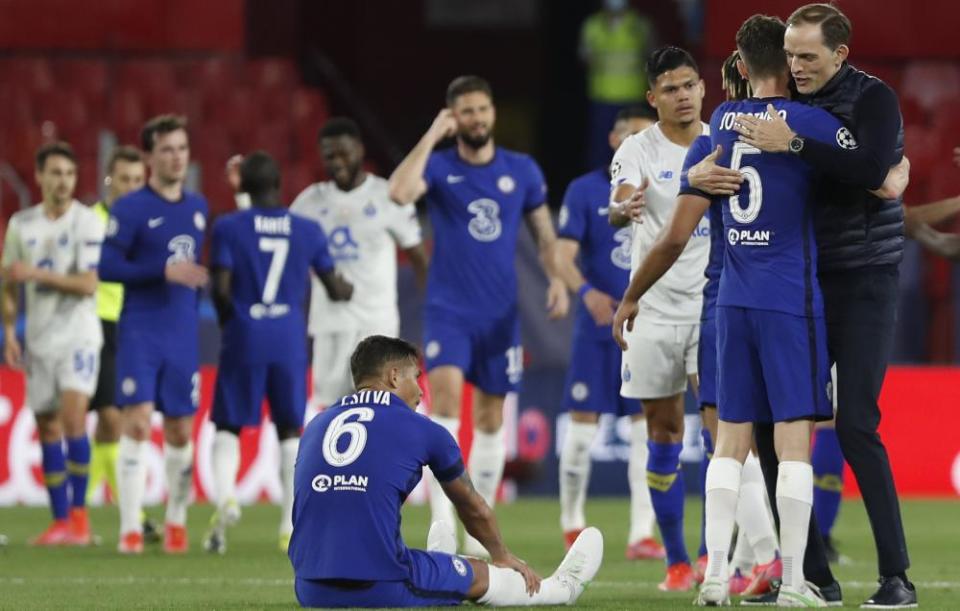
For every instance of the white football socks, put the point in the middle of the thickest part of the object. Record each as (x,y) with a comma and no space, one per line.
(753,517)
(226,464)
(507,588)
(794,501)
(575,474)
(288,459)
(642,517)
(487,457)
(722,486)
(441,509)
(743,558)
(179,468)
(131,482)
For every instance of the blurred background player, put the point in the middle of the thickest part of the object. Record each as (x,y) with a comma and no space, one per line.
(359,461)
(52,249)
(614,43)
(663,344)
(476,194)
(364,229)
(125,173)
(154,239)
(593,379)
(261,260)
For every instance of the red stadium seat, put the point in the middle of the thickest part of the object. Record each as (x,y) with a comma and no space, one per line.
(922,146)
(212,74)
(237,110)
(275,138)
(175,101)
(68,112)
(931,83)
(30,73)
(913,113)
(127,109)
(889,73)
(88,76)
(88,179)
(297,177)
(944,180)
(310,106)
(271,74)
(211,146)
(146,75)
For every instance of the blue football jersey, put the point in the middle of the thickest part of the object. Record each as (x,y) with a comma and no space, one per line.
(358,461)
(770,260)
(476,213)
(269,253)
(604,249)
(145,233)
(698,150)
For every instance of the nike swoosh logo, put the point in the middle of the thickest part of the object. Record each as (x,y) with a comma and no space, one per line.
(451,179)
(152,223)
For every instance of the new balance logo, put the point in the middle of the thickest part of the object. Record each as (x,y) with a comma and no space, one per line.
(451,179)
(154,223)
(665,175)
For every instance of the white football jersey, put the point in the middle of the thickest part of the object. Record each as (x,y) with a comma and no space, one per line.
(677,297)
(57,321)
(364,227)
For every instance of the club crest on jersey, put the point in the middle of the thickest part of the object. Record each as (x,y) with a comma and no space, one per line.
(846,140)
(506,184)
(433,349)
(459,566)
(183,248)
(579,391)
(63,240)
(199,221)
(370,210)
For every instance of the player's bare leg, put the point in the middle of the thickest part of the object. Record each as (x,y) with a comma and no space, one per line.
(289,444)
(664,478)
(132,474)
(446,390)
(74,416)
(575,472)
(487,454)
(178,461)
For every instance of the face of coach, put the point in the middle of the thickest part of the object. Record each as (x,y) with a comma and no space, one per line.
(815,52)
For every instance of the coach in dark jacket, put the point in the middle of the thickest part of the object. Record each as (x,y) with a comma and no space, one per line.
(860,238)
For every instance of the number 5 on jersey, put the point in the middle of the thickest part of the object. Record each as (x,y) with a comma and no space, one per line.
(747,215)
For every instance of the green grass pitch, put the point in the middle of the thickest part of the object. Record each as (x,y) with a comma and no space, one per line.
(253,574)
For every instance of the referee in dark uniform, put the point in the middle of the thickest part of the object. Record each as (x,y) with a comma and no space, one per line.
(860,239)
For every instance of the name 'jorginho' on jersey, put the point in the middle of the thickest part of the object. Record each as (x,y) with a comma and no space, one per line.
(476,213)
(770,260)
(269,253)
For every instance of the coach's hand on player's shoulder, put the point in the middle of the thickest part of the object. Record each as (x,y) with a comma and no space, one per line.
(714,179)
(558,301)
(444,126)
(771,135)
(509,561)
(187,273)
(626,313)
(12,353)
(601,306)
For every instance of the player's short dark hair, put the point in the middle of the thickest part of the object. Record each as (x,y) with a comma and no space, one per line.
(54,149)
(158,126)
(339,126)
(760,42)
(259,174)
(737,87)
(665,59)
(463,85)
(375,351)
(642,110)
(130,154)
(834,25)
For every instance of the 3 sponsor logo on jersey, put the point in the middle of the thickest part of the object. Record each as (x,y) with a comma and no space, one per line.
(620,256)
(182,248)
(749,237)
(506,184)
(485,226)
(340,483)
